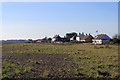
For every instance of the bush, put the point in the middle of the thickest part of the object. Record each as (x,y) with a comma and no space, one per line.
(115,40)
(112,41)
(107,42)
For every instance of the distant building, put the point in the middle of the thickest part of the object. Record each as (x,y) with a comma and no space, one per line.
(65,39)
(79,37)
(56,38)
(101,39)
(45,39)
(71,36)
(42,40)
(84,38)
(39,40)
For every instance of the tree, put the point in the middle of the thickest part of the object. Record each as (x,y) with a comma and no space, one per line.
(49,40)
(115,36)
(116,39)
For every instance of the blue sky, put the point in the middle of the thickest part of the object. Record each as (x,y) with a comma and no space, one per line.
(24,20)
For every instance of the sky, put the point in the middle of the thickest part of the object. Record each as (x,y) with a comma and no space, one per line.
(36,20)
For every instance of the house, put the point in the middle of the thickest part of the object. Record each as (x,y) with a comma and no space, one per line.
(39,40)
(71,36)
(79,37)
(101,39)
(64,39)
(45,39)
(84,38)
(42,40)
(56,38)
(88,38)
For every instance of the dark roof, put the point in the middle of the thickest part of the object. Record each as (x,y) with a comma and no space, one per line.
(72,33)
(44,38)
(56,36)
(83,37)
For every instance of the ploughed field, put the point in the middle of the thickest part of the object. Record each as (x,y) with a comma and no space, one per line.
(47,60)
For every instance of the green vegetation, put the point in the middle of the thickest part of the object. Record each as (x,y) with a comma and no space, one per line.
(113,41)
(10,69)
(45,73)
(90,60)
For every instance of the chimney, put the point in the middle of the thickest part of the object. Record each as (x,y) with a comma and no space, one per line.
(82,33)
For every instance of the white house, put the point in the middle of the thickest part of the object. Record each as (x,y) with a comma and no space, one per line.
(78,37)
(101,39)
(84,38)
(95,41)
(56,38)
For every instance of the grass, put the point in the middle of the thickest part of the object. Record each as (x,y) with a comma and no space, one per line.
(45,73)
(10,69)
(92,60)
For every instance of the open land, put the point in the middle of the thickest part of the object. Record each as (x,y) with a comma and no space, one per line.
(65,60)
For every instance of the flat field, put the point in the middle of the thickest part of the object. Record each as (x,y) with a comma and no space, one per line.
(47,60)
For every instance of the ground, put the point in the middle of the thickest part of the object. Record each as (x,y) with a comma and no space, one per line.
(68,60)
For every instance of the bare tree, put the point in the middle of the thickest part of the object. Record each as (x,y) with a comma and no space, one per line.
(115,36)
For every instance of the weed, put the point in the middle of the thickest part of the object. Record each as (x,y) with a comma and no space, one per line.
(45,73)
(17,71)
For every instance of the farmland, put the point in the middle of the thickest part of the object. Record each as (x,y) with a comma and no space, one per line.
(68,60)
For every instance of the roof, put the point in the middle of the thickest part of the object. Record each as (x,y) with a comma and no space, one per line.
(44,38)
(100,36)
(56,36)
(73,37)
(83,37)
(78,35)
(72,33)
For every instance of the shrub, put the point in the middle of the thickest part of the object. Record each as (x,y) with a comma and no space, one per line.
(112,41)
(107,42)
(115,40)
